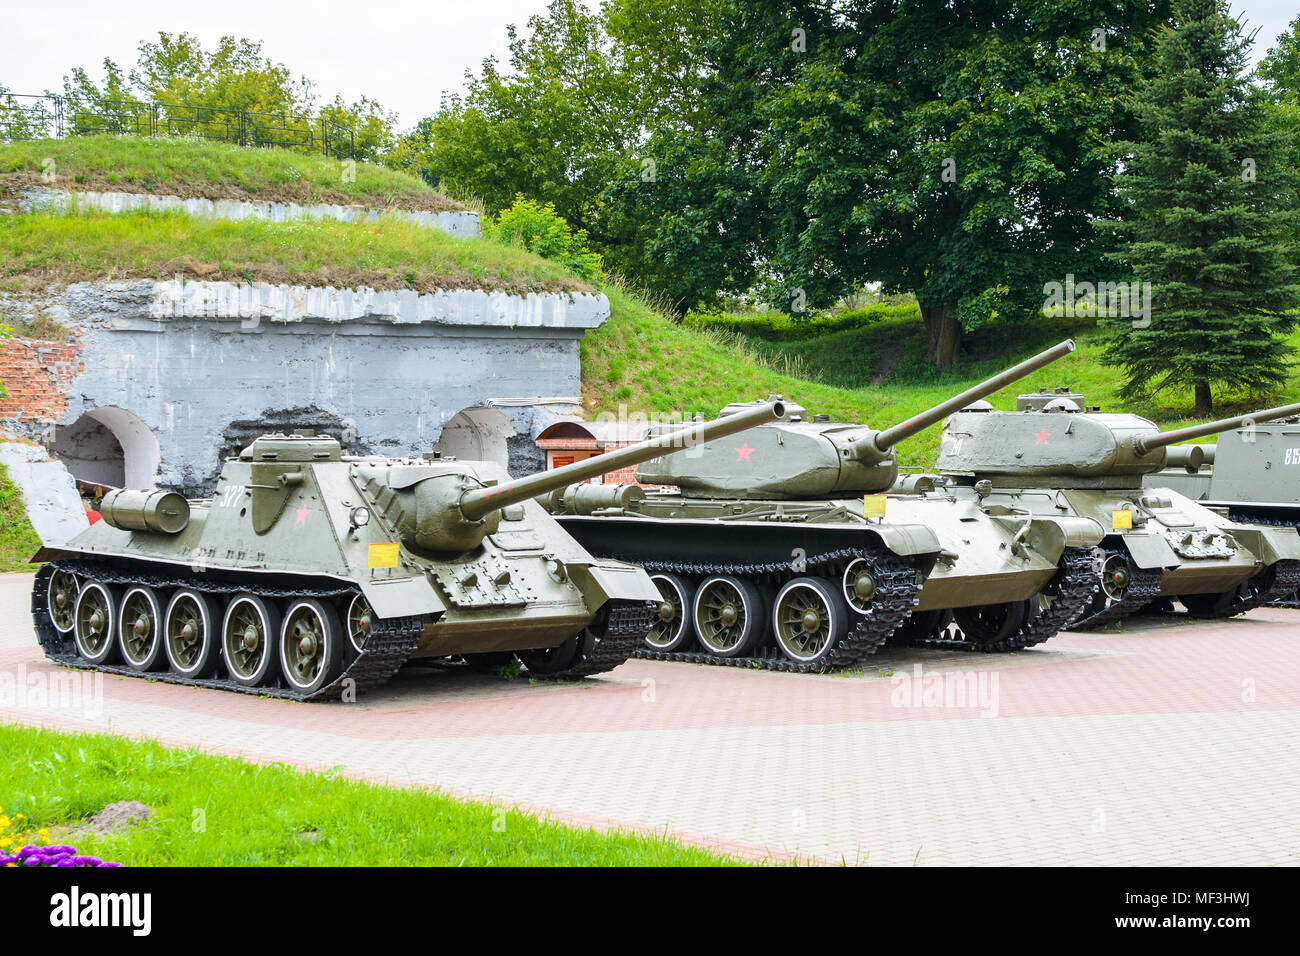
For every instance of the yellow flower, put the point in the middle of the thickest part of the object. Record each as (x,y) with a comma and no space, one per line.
(4,823)
(44,831)
(6,841)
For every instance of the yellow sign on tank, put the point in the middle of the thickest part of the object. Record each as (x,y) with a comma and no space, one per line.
(382,555)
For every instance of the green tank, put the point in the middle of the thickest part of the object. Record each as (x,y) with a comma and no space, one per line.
(1253,473)
(311,574)
(802,548)
(1054,458)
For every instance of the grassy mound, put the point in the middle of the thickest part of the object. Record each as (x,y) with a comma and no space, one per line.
(217,811)
(644,362)
(193,169)
(18,540)
(44,249)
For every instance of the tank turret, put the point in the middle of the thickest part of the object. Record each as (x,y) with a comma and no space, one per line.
(1063,447)
(800,459)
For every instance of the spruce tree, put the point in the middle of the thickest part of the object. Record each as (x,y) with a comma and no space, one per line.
(1209,194)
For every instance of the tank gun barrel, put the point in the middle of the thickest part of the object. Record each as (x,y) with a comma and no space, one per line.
(1144,445)
(475,504)
(891,436)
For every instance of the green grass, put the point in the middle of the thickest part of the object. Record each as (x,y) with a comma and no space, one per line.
(40,250)
(218,811)
(196,168)
(871,374)
(18,541)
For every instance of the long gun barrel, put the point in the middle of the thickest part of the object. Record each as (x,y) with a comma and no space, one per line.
(886,439)
(476,504)
(1144,445)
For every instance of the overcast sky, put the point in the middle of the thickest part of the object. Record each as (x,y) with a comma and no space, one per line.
(401,52)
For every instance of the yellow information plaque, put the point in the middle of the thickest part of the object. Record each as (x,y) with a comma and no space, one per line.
(382,555)
(1121,520)
(873,506)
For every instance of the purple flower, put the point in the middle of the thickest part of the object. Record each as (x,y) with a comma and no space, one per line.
(65,861)
(28,850)
(86,861)
(33,860)
(107,863)
(60,848)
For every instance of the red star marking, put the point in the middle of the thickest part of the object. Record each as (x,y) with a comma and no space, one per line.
(302,513)
(1041,437)
(743,452)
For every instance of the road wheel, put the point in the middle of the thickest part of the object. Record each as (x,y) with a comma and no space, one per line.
(730,616)
(858,585)
(809,617)
(140,630)
(61,600)
(673,629)
(311,645)
(190,634)
(95,615)
(988,624)
(360,620)
(552,660)
(248,640)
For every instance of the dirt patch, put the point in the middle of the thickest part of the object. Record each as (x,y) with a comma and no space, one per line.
(303,193)
(113,819)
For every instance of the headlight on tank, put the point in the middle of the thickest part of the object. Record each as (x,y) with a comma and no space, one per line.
(359,517)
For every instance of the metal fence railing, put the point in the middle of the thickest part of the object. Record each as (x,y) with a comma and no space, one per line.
(57,117)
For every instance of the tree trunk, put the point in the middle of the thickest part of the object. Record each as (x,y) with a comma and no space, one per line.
(944,332)
(1204,402)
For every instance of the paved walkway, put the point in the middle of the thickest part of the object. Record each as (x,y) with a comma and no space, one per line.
(1172,743)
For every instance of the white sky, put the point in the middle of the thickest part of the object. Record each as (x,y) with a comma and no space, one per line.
(403,53)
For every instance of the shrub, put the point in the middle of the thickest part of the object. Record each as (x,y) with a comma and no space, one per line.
(539,229)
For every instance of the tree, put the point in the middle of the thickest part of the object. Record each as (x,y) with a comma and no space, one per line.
(1210,194)
(202,85)
(956,151)
(1280,69)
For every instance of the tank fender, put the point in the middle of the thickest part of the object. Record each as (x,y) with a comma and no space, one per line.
(1150,551)
(402,597)
(613,581)
(1270,544)
(907,540)
(1050,536)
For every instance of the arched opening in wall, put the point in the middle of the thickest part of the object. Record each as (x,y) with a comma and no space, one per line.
(477,434)
(109,446)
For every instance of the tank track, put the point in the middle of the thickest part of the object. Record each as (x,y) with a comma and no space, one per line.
(1143,588)
(627,625)
(897,584)
(1285,582)
(1289,599)
(390,644)
(1074,586)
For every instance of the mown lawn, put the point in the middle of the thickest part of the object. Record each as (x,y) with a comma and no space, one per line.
(217,811)
(193,168)
(44,249)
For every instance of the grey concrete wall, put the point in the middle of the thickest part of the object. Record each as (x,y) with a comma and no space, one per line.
(49,493)
(185,360)
(463,223)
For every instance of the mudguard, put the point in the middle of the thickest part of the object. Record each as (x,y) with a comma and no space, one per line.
(1150,551)
(1051,536)
(401,597)
(1270,544)
(907,540)
(613,581)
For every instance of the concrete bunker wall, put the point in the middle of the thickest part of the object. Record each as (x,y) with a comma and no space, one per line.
(180,374)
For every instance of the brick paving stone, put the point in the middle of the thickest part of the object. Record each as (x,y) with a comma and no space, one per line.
(1170,742)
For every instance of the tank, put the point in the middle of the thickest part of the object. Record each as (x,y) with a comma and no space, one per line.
(1253,473)
(1055,459)
(313,575)
(802,548)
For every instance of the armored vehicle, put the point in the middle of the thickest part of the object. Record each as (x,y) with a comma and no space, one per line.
(1060,460)
(789,551)
(310,574)
(1255,478)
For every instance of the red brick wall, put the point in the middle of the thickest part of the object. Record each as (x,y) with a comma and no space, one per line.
(38,377)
